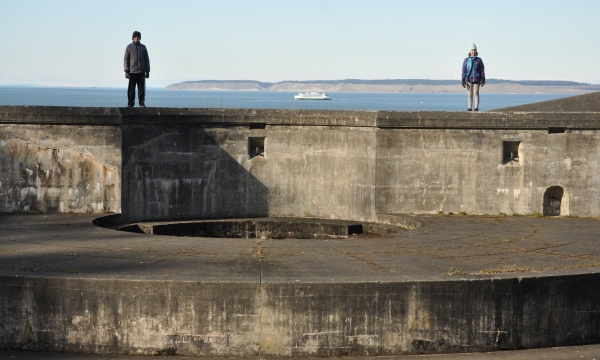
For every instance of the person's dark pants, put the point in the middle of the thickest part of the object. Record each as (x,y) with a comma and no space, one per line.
(138,80)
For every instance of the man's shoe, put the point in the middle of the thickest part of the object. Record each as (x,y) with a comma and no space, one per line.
(142,105)
(469,109)
(129,105)
(476,109)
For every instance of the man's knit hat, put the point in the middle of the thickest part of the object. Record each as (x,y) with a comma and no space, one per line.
(136,34)
(473,47)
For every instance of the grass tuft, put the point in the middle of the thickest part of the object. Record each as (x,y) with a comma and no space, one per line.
(452,271)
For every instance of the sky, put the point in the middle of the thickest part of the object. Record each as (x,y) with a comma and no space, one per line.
(82,43)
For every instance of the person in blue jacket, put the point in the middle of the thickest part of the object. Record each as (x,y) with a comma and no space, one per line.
(473,76)
(137,69)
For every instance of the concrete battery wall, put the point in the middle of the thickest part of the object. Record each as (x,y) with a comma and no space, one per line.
(454,170)
(353,165)
(356,165)
(308,168)
(189,171)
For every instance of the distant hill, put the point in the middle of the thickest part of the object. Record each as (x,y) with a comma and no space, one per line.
(390,85)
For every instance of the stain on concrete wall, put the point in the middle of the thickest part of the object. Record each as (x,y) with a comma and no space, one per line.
(321,172)
(327,164)
(308,172)
(299,320)
(48,174)
(430,170)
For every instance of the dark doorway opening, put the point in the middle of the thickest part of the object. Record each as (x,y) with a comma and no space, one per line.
(552,200)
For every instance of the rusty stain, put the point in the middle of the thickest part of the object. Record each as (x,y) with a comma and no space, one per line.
(62,180)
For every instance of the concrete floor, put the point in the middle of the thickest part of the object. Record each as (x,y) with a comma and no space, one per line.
(445,247)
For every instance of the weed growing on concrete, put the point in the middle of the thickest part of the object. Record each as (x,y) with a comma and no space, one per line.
(501,214)
(505,270)
(517,214)
(452,271)
(513,268)
(440,212)
(462,213)
(450,213)
(537,214)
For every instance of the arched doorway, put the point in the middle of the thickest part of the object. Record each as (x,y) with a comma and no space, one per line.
(552,200)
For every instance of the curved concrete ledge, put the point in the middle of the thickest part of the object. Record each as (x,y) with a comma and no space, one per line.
(262,228)
(297,319)
(455,284)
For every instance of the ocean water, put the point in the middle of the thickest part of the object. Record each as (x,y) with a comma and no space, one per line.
(158,97)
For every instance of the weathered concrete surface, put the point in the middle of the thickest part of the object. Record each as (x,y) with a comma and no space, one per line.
(241,319)
(61,115)
(315,164)
(321,172)
(420,162)
(181,171)
(348,165)
(59,168)
(518,282)
(260,228)
(427,170)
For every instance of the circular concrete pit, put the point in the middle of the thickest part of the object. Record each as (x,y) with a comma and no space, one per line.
(455,284)
(261,228)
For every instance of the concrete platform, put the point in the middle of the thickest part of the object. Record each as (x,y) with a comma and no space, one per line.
(456,284)
(475,247)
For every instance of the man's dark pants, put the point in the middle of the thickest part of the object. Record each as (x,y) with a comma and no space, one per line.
(140,81)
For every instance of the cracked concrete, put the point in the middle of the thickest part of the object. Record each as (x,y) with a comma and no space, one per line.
(69,245)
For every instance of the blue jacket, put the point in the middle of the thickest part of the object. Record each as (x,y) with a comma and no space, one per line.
(477,72)
(136,59)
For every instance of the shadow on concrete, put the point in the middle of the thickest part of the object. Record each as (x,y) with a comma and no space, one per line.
(178,171)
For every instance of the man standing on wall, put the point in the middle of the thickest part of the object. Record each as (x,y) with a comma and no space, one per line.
(137,69)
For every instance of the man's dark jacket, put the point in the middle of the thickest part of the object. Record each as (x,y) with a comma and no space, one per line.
(136,59)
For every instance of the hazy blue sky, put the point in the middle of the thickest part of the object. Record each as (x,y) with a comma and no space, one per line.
(81,43)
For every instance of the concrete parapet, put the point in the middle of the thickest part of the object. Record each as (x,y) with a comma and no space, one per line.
(288,319)
(164,163)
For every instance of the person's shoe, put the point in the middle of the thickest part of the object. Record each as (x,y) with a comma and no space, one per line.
(476,109)
(142,105)
(129,105)
(469,109)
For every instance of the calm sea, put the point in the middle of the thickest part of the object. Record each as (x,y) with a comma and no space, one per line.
(158,97)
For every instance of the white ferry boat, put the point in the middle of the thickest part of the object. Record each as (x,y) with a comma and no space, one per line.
(313,95)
